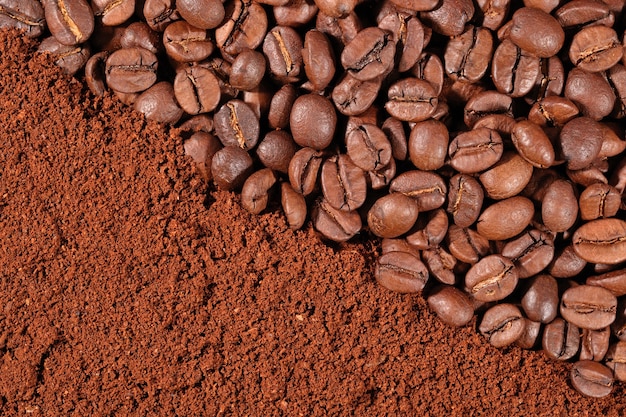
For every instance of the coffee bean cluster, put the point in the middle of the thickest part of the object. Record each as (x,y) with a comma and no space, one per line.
(482,141)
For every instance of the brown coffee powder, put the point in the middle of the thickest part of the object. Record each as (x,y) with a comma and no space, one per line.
(123,291)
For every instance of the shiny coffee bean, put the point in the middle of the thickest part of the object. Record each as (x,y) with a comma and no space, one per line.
(295,13)
(591,93)
(467,56)
(601,241)
(159,13)
(70,21)
(449,17)
(303,170)
(197,90)
(95,73)
(561,340)
(493,278)
(513,69)
(580,142)
(280,107)
(432,229)
(353,97)
(484,104)
(139,34)
(599,200)
(203,14)
(531,252)
(502,325)
(247,70)
(294,206)
(411,100)
(595,49)
(408,34)
(201,147)
(333,224)
(533,144)
(441,264)
(186,43)
(131,70)
(392,215)
(541,299)
(506,218)
(230,167)
(318,59)
(368,147)
(552,111)
(401,272)
(465,199)
(614,281)
(451,305)
(531,336)
(25,15)
(536,32)
(466,244)
(550,80)
(592,379)
(343,184)
(428,144)
(507,177)
(395,131)
(255,191)
(566,263)
(113,12)
(236,124)
(69,58)
(313,121)
(476,150)
(594,344)
(276,150)
(430,68)
(559,206)
(588,307)
(369,55)
(426,188)
(243,27)
(159,103)
(581,13)
(283,49)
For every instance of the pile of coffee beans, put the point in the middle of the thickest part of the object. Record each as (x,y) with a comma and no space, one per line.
(481,140)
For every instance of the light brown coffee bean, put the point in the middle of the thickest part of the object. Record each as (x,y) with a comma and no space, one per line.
(506,218)
(465,199)
(392,215)
(601,241)
(559,206)
(333,224)
(466,244)
(592,379)
(493,278)
(401,272)
(588,307)
(594,344)
(507,177)
(598,201)
(502,324)
(451,305)
(255,191)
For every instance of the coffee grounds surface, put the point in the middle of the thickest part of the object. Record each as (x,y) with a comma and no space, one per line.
(126,290)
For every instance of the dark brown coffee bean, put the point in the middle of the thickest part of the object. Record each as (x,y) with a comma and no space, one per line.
(95,73)
(559,206)
(230,167)
(552,111)
(595,49)
(451,305)
(531,252)
(586,176)
(550,80)
(343,184)
(616,360)
(531,336)
(614,281)
(197,90)
(201,147)
(411,99)
(475,151)
(537,32)
(341,30)
(502,325)
(401,272)
(566,264)
(353,97)
(203,14)
(294,206)
(398,245)
(369,55)
(467,56)
(612,142)
(392,215)
(441,264)
(244,27)
(25,15)
(599,200)
(160,13)
(514,70)
(430,68)
(506,218)
(426,188)
(493,278)
(113,12)
(313,121)
(507,177)
(580,141)
(594,344)
(336,225)
(368,147)
(236,124)
(382,177)
(533,144)
(466,244)
(303,170)
(588,307)
(255,191)
(158,103)
(70,58)
(295,13)
(280,107)
(186,43)
(140,34)
(131,70)
(449,17)
(259,99)
(408,34)
(432,229)
(283,49)
(486,103)
(319,60)
(580,13)
(561,340)
(70,21)
(247,70)
(276,150)
(395,132)
(465,199)
(592,379)
(591,93)
(428,144)
(541,299)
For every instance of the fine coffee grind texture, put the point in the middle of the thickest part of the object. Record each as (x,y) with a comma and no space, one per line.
(124,292)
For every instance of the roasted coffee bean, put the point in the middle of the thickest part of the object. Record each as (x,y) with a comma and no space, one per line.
(353,97)
(369,55)
(280,107)
(295,13)
(614,281)
(392,215)
(201,147)
(411,99)
(599,200)
(113,12)
(493,12)
(186,43)
(550,80)
(588,307)
(131,70)
(139,34)
(595,49)
(566,264)
(244,27)
(294,206)
(342,30)
(507,177)
(616,76)
(431,232)
(70,58)
(502,325)
(159,13)
(441,264)
(398,245)
(449,17)
(336,225)
(541,299)
(236,124)
(426,188)
(259,100)
(197,90)
(382,177)
(159,103)
(601,241)
(430,68)
(493,278)
(255,191)
(428,144)
(561,340)
(531,336)
(559,206)
(592,379)
(552,111)
(580,142)
(401,272)
(95,73)
(408,34)
(230,167)
(303,170)
(451,305)
(514,70)
(313,121)
(486,103)
(203,14)
(276,150)
(247,70)
(70,21)
(417,5)
(533,144)
(612,143)
(343,184)
(579,13)
(465,199)
(531,252)
(537,32)
(467,56)
(336,8)
(594,344)
(506,218)
(26,15)
(476,150)
(368,147)
(619,325)
(394,130)
(591,93)
(616,360)
(283,48)
(586,176)
(466,244)
(318,59)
